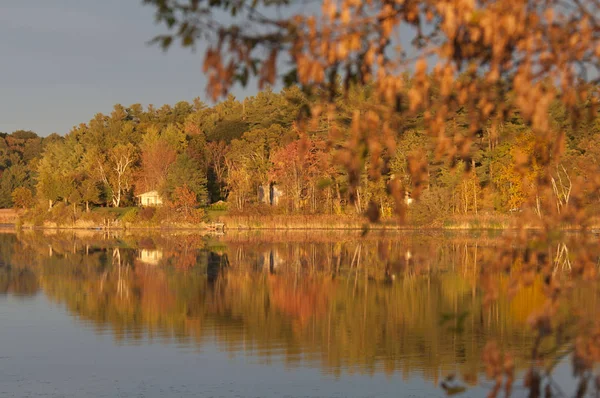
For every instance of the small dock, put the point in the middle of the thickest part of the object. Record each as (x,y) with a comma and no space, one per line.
(216,227)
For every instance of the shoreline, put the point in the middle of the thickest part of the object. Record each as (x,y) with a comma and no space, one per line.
(274,223)
(265,228)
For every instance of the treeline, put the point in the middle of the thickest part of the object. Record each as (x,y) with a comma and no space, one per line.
(261,157)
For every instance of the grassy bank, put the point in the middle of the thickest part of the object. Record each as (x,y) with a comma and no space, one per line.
(142,219)
(487,221)
(87,225)
(297,222)
(483,221)
(330,222)
(8,216)
(107,218)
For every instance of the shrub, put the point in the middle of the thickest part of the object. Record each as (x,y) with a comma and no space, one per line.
(161,214)
(130,216)
(101,215)
(37,215)
(22,198)
(197,216)
(184,207)
(171,213)
(257,209)
(218,206)
(91,217)
(61,213)
(146,213)
(432,206)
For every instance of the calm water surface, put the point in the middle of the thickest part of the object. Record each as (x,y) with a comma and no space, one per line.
(254,315)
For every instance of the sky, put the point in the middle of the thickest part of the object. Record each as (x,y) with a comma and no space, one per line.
(63,61)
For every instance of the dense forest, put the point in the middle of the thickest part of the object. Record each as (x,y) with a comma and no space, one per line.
(241,152)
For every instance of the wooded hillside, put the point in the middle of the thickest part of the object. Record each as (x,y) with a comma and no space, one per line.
(237,150)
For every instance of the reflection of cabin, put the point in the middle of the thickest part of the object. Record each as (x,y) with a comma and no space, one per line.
(269,194)
(150,198)
(150,256)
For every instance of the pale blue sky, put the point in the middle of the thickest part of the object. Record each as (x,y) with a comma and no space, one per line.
(62,61)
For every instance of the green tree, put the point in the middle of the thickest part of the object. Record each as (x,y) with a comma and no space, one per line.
(58,169)
(185,171)
(89,193)
(22,198)
(174,136)
(14,177)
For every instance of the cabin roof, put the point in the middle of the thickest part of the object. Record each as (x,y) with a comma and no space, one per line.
(149,193)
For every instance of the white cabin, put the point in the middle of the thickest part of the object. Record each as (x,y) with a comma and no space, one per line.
(150,198)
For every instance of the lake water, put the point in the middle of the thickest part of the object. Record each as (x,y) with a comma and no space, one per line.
(305,314)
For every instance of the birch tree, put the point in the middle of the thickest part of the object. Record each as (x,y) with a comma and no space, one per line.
(116,171)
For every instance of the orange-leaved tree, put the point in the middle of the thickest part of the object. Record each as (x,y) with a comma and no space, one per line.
(185,205)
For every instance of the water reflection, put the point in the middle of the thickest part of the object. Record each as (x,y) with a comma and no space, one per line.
(407,304)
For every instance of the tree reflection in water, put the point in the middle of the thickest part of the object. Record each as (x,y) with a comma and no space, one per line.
(399,303)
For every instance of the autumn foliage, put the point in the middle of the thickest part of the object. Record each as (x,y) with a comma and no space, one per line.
(185,205)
